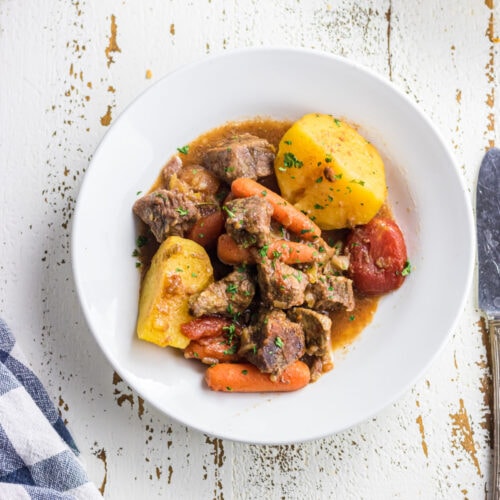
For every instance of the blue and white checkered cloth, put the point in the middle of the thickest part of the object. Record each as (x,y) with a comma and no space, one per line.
(37,454)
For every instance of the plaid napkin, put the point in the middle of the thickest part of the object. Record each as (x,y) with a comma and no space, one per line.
(37,453)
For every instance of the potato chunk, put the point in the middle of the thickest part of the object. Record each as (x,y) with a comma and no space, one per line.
(179,268)
(326,169)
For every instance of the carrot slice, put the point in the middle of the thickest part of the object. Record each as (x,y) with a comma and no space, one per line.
(283,212)
(231,253)
(213,350)
(245,377)
(207,326)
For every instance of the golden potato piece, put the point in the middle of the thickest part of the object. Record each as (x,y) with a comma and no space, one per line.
(179,268)
(329,171)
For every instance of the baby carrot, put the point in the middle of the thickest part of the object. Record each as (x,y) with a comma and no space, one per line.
(283,212)
(207,326)
(213,350)
(291,252)
(245,377)
(231,253)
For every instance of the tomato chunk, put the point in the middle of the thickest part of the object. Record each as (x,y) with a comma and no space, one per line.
(378,256)
(207,229)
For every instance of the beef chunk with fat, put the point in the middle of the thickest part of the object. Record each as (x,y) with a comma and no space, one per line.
(166,213)
(317,366)
(330,292)
(171,167)
(230,295)
(244,155)
(317,328)
(273,343)
(317,333)
(249,220)
(281,285)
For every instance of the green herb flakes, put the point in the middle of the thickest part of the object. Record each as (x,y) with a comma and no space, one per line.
(407,269)
(182,211)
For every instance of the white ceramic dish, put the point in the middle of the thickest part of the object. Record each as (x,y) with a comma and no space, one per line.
(425,192)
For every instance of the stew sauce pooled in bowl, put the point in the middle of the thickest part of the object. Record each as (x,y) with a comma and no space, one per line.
(263,246)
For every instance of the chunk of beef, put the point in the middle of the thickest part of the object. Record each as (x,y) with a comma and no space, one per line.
(166,213)
(317,366)
(171,167)
(241,156)
(273,343)
(228,296)
(317,328)
(281,285)
(249,220)
(330,292)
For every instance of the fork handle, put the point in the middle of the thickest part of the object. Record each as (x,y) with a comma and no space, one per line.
(494,335)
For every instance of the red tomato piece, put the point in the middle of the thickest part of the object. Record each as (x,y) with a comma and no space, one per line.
(377,256)
(207,229)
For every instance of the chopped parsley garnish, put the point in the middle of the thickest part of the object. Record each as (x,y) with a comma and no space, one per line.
(358,181)
(231,350)
(229,388)
(290,161)
(264,193)
(135,253)
(305,231)
(179,270)
(351,317)
(319,179)
(231,288)
(278,342)
(184,150)
(182,211)
(194,275)
(317,206)
(337,122)
(407,269)
(230,329)
(141,241)
(328,158)
(245,372)
(263,251)
(228,211)
(138,264)
(288,142)
(138,193)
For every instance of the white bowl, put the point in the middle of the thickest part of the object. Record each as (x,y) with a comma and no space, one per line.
(425,192)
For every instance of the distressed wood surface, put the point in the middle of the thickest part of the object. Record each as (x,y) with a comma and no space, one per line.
(68,68)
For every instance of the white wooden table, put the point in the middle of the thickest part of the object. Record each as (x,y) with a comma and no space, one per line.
(67,70)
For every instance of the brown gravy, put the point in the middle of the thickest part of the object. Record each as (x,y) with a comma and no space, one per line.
(346,325)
